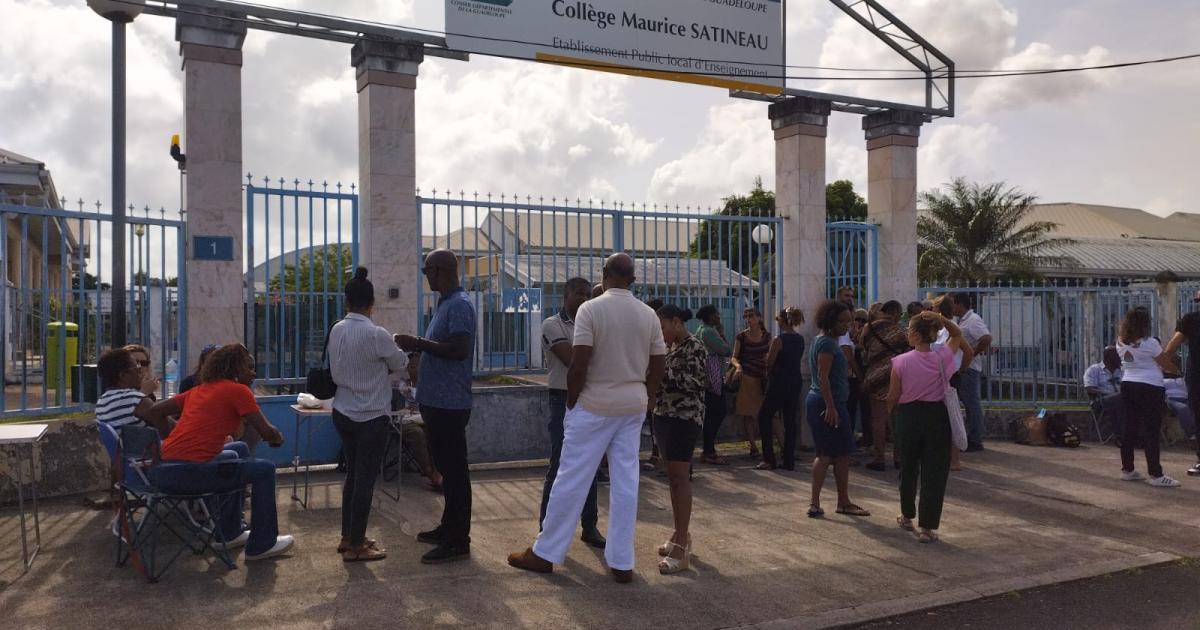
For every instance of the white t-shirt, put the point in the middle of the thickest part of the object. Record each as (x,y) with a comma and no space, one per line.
(623,334)
(973,329)
(943,338)
(1138,364)
(845,342)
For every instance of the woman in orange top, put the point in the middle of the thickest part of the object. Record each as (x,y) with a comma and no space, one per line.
(196,458)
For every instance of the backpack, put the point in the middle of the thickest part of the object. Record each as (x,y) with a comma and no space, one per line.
(1060,430)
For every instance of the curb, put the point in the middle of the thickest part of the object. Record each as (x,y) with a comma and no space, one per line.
(854,615)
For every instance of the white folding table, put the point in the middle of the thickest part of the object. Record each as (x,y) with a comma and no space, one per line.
(13,437)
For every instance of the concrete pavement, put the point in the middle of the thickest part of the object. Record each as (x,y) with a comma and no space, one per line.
(1018,517)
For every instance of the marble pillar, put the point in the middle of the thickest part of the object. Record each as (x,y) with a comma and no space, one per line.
(800,130)
(892,198)
(389,228)
(211,47)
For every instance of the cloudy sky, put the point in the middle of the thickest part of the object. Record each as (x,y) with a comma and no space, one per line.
(1125,137)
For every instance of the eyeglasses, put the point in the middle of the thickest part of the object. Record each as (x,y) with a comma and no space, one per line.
(144,364)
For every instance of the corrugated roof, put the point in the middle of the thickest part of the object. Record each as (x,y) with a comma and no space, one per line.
(464,242)
(1130,257)
(1078,220)
(685,272)
(575,231)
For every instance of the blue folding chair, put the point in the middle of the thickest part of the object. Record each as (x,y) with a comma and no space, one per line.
(146,513)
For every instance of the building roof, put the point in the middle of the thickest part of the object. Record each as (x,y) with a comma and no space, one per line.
(1130,257)
(681,272)
(26,181)
(1078,220)
(584,231)
(465,242)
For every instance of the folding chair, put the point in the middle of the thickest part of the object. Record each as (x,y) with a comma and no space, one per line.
(1097,411)
(396,456)
(145,513)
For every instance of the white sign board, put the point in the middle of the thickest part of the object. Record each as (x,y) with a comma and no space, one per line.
(735,44)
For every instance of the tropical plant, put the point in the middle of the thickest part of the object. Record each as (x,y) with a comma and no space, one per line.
(976,233)
(733,241)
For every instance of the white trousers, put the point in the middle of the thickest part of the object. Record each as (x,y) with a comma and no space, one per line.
(586,438)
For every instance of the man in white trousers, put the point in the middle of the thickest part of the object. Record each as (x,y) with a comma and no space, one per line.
(617,363)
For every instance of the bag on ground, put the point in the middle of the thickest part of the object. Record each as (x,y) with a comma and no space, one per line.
(1060,431)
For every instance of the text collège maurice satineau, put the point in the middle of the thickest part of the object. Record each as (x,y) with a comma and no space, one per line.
(586,12)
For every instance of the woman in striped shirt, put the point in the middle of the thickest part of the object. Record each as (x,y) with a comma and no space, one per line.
(127,397)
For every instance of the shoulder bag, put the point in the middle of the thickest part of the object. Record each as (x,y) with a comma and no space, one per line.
(319,382)
(958,430)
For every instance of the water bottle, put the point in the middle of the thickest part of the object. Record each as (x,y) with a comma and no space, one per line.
(172,370)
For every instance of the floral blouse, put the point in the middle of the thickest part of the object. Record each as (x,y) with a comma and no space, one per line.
(682,392)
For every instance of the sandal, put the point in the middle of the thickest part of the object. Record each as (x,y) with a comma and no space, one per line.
(344,546)
(765,466)
(815,512)
(852,510)
(363,554)
(665,548)
(927,536)
(670,564)
(716,460)
(904,523)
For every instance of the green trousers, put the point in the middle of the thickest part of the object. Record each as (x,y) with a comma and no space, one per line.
(923,437)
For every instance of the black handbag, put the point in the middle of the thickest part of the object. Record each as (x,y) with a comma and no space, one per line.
(319,382)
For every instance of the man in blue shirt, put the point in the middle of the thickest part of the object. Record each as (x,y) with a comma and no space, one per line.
(448,350)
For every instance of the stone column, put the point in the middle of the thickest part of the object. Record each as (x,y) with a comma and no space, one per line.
(389,228)
(211,47)
(800,131)
(892,198)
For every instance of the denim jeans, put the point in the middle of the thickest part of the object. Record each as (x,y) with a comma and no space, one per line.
(558,410)
(228,471)
(968,393)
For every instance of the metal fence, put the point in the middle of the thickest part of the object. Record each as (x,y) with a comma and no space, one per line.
(56,302)
(301,249)
(516,255)
(1044,336)
(852,258)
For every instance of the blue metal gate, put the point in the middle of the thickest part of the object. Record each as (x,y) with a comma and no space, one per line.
(852,259)
(56,303)
(517,254)
(301,248)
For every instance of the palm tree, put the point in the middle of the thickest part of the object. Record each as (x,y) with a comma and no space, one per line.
(978,232)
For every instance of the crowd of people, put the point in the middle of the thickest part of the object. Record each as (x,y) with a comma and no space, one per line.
(888,374)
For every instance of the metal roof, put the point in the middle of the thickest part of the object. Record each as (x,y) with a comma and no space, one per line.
(682,272)
(1129,257)
(1079,220)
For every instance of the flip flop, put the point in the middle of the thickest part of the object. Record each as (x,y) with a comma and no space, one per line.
(365,554)
(904,523)
(853,510)
(815,512)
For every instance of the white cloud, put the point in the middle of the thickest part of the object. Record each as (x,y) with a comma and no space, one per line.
(506,126)
(950,150)
(1017,92)
(735,146)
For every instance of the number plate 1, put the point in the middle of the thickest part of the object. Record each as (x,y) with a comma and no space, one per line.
(212,248)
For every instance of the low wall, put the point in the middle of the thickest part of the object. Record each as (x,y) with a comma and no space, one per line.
(507,424)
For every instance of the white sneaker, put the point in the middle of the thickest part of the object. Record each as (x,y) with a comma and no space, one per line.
(1194,471)
(282,545)
(1131,475)
(1163,482)
(240,541)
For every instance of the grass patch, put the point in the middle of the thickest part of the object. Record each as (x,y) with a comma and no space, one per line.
(49,417)
(501,379)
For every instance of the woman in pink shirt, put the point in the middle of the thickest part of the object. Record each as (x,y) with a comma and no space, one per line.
(918,393)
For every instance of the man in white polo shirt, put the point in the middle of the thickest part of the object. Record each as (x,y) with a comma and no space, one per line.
(617,364)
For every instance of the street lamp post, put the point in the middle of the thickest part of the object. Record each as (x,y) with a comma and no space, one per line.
(762,235)
(120,13)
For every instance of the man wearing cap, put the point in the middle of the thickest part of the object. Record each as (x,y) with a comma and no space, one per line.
(1187,329)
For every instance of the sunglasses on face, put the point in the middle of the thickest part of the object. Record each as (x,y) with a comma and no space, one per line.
(144,364)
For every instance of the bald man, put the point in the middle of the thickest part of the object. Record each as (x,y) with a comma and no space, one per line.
(444,397)
(617,364)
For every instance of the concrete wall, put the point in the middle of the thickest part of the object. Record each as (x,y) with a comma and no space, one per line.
(508,424)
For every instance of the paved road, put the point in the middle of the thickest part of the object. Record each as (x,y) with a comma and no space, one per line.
(1163,596)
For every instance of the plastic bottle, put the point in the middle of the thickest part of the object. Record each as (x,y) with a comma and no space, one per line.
(172,370)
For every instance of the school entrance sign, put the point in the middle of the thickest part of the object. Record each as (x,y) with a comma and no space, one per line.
(734,44)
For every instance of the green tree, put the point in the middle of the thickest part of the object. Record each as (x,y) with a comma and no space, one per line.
(318,269)
(841,202)
(732,241)
(979,232)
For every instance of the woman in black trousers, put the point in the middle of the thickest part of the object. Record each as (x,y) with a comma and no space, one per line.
(715,406)
(1143,396)
(362,358)
(784,360)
